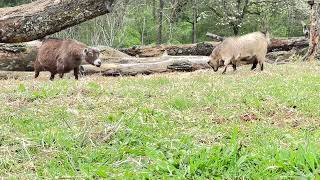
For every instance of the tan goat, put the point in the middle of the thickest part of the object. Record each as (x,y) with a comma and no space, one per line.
(248,49)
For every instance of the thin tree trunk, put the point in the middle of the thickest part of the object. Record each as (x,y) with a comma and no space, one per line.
(235,29)
(154,10)
(195,21)
(143,30)
(44,17)
(161,3)
(314,32)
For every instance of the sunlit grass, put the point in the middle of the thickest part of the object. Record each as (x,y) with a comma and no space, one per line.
(181,125)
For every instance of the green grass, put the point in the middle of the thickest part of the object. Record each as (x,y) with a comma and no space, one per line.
(257,125)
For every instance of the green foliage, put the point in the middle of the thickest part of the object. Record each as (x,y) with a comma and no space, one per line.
(5,3)
(132,37)
(136,22)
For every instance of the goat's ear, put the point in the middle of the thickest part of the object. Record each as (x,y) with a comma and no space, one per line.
(221,63)
(85,51)
(237,57)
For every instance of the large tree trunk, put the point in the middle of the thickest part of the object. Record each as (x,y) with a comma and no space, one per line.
(205,49)
(314,31)
(44,17)
(151,66)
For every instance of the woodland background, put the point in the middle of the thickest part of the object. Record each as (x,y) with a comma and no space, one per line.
(150,22)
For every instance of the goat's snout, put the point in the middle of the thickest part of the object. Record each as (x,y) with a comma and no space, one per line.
(97,62)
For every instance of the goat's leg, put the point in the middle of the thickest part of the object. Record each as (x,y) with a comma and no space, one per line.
(76,73)
(234,67)
(226,63)
(261,66)
(261,61)
(37,69)
(225,69)
(254,66)
(52,77)
(36,74)
(60,68)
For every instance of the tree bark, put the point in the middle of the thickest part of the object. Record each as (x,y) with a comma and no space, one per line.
(287,44)
(154,10)
(200,49)
(18,57)
(44,17)
(314,31)
(161,6)
(177,10)
(194,21)
(154,65)
(235,28)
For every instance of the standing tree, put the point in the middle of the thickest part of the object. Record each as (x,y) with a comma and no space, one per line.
(313,51)
(195,20)
(161,7)
(232,13)
(177,10)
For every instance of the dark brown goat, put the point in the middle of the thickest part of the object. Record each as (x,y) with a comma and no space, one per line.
(62,56)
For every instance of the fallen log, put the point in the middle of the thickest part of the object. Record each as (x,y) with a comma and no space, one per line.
(280,44)
(215,37)
(288,44)
(138,66)
(281,56)
(151,66)
(200,49)
(20,57)
(158,65)
(5,75)
(205,49)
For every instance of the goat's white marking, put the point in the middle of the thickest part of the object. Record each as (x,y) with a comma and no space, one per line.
(97,62)
(96,49)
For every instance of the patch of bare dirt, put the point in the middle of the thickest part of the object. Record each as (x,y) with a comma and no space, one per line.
(249,117)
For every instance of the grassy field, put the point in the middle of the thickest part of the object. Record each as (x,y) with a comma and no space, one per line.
(181,125)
